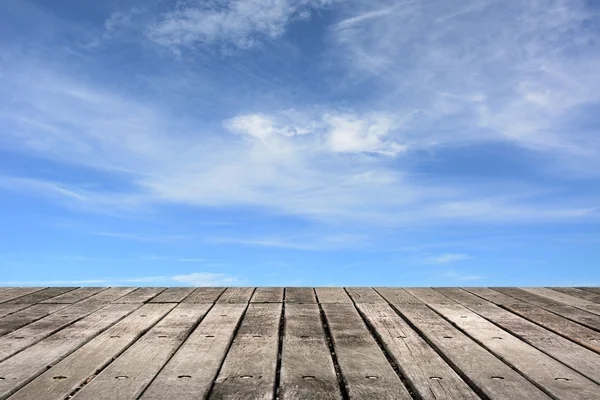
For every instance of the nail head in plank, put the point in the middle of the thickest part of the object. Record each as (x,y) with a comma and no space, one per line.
(81,365)
(573,313)
(140,295)
(74,296)
(123,378)
(474,362)
(27,316)
(569,353)
(427,372)
(332,295)
(249,369)
(554,377)
(190,372)
(236,295)
(29,363)
(307,369)
(173,295)
(267,295)
(34,332)
(301,295)
(364,367)
(364,295)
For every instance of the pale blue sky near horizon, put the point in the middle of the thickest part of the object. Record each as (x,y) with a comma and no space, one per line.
(300,142)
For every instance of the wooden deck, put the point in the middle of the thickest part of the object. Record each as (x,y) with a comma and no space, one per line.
(299,343)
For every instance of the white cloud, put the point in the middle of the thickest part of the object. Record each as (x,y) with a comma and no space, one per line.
(240,23)
(194,279)
(446,258)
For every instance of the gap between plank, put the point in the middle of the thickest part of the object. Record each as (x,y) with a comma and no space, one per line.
(329,338)
(277,389)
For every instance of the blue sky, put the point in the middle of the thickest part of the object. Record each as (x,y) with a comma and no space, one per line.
(299,142)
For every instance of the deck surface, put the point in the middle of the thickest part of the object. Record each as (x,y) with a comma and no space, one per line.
(299,343)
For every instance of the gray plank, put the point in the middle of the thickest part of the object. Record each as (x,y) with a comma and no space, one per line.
(573,313)
(140,295)
(132,371)
(15,292)
(8,309)
(364,295)
(429,296)
(332,295)
(491,376)
(82,364)
(24,366)
(307,369)
(189,374)
(267,295)
(173,295)
(364,367)
(73,296)
(573,301)
(249,369)
(569,353)
(301,295)
(19,319)
(554,377)
(565,327)
(236,295)
(426,371)
(28,335)
(582,294)
(41,295)
(397,295)
(590,289)
(204,295)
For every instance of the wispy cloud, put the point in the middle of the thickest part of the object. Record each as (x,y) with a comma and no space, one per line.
(454,275)
(446,258)
(193,279)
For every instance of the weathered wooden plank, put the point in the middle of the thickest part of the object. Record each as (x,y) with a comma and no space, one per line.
(28,335)
(565,327)
(332,295)
(204,295)
(8,309)
(364,295)
(427,372)
(189,374)
(301,295)
(132,371)
(554,377)
(365,370)
(573,313)
(429,296)
(397,295)
(140,295)
(249,369)
(582,294)
(473,362)
(583,304)
(70,373)
(73,296)
(307,369)
(41,295)
(236,295)
(24,366)
(267,295)
(14,293)
(590,289)
(461,296)
(27,316)
(569,353)
(173,295)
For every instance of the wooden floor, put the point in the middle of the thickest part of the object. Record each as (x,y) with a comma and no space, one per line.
(299,343)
